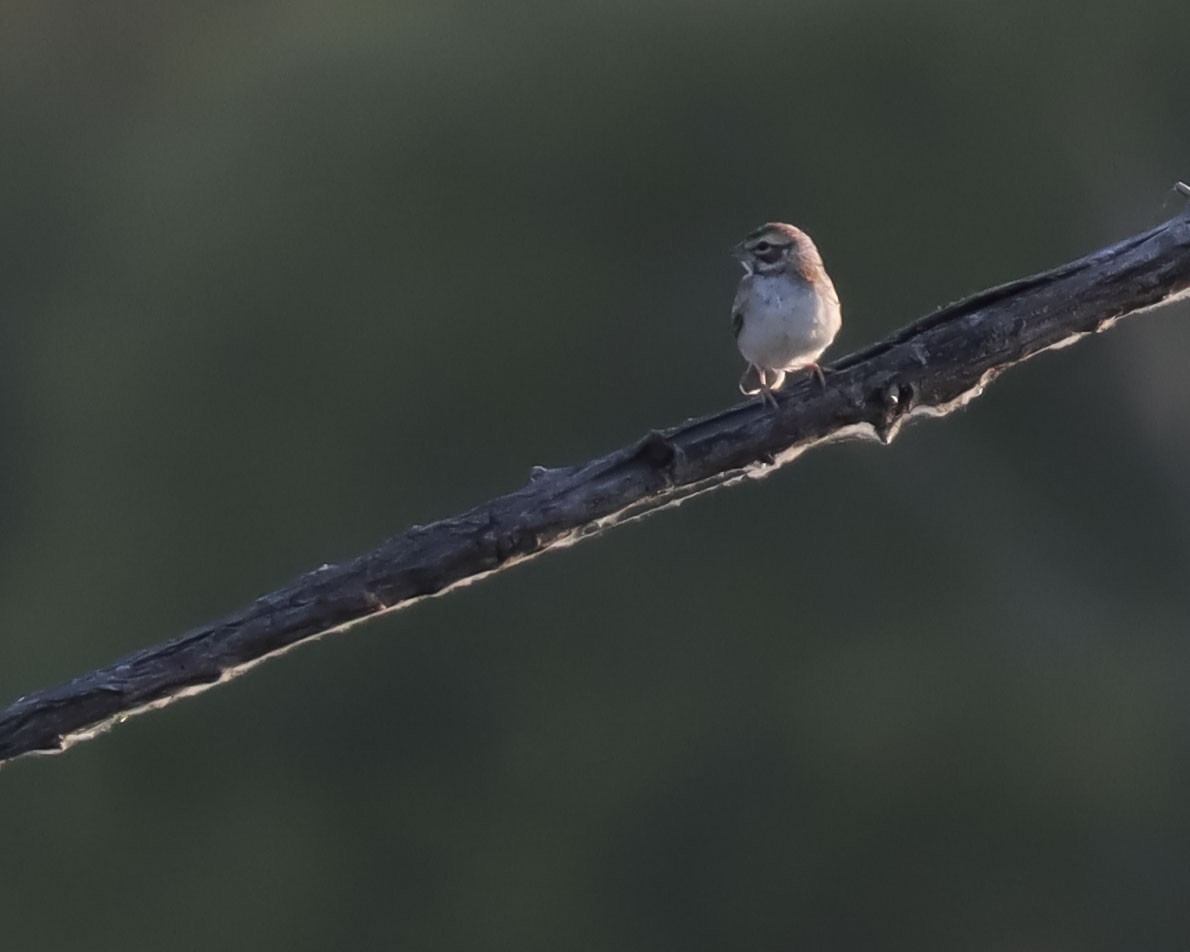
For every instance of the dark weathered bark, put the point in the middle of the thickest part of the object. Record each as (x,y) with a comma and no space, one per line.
(928,369)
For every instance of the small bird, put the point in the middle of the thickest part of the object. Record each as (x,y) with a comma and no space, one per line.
(786,310)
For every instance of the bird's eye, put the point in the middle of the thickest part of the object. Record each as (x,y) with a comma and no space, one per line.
(761,246)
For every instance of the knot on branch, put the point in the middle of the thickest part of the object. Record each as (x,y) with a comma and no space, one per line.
(897,398)
(655,450)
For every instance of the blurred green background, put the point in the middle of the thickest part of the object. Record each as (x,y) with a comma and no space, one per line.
(283,278)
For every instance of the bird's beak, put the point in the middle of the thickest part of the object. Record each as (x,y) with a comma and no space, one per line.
(742,257)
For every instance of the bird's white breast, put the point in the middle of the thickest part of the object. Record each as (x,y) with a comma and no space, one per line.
(787,323)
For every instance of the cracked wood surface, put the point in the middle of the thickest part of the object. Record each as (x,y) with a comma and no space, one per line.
(927,369)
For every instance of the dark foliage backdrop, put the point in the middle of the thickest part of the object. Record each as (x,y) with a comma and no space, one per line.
(282,278)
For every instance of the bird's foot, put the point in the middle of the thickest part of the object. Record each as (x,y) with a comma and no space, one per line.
(758,382)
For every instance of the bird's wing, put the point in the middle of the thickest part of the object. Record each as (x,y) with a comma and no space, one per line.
(829,289)
(737,306)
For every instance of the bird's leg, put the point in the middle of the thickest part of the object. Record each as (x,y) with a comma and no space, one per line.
(766,382)
(751,373)
(770,380)
(818,374)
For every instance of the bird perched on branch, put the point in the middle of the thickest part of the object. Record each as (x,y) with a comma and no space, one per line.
(786,311)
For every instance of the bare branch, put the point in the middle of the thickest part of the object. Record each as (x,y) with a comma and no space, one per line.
(927,369)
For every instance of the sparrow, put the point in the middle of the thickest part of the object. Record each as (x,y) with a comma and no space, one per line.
(786,310)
